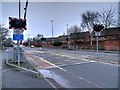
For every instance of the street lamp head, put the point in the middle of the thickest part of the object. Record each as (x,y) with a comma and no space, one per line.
(51,20)
(67,25)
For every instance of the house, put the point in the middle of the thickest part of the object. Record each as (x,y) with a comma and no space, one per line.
(80,39)
(109,39)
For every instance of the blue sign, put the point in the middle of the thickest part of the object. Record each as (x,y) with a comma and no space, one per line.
(17,37)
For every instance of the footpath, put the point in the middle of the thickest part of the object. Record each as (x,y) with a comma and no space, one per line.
(15,78)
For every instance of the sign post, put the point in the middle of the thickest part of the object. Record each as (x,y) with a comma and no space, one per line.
(97,42)
(97,28)
(18,25)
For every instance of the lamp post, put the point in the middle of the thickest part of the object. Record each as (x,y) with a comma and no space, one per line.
(52,30)
(29,40)
(67,37)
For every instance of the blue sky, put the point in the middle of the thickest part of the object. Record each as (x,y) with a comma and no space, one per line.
(39,15)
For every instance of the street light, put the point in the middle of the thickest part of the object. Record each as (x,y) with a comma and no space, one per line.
(52,30)
(29,40)
(68,36)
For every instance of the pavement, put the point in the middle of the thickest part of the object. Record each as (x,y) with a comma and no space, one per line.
(0,69)
(17,78)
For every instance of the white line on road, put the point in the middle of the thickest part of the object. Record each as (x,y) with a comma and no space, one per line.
(84,59)
(5,70)
(69,72)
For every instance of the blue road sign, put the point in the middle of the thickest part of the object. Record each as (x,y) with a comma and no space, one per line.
(17,37)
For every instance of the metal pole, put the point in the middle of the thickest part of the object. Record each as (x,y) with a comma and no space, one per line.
(29,39)
(97,43)
(52,30)
(19,8)
(18,44)
(68,36)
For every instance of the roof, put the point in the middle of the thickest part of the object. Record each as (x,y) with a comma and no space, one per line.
(80,35)
(111,31)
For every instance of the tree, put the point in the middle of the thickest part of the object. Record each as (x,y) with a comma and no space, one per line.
(89,18)
(109,17)
(3,33)
(74,29)
(57,43)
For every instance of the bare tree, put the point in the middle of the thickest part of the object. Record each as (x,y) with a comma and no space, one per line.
(74,29)
(89,18)
(3,33)
(39,36)
(109,17)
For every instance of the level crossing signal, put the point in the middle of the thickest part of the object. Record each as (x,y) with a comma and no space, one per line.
(17,23)
(98,27)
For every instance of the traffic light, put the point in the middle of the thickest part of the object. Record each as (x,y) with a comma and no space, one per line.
(98,27)
(17,23)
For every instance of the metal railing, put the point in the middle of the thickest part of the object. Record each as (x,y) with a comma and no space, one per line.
(12,60)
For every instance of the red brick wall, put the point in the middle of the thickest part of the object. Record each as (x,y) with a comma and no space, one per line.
(47,45)
(112,45)
(107,45)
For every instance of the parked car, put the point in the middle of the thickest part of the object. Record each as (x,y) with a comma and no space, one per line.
(32,46)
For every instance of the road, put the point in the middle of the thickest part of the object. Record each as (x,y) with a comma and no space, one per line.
(77,69)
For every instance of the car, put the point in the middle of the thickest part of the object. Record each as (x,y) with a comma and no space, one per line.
(32,46)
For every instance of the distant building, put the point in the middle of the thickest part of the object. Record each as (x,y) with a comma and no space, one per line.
(109,39)
(111,34)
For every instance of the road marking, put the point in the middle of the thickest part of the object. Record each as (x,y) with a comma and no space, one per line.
(85,59)
(69,72)
(5,70)
(51,64)
(65,71)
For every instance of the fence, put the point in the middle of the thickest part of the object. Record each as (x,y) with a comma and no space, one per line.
(12,60)
(12,56)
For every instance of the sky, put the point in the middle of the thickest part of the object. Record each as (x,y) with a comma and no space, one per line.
(40,14)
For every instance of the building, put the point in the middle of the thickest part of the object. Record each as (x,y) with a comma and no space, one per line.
(109,39)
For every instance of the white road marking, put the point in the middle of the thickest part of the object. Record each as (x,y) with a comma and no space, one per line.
(5,70)
(70,72)
(83,58)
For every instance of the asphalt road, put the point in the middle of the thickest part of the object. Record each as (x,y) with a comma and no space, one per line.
(79,69)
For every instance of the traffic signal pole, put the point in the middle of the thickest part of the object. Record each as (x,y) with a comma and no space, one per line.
(97,28)
(97,43)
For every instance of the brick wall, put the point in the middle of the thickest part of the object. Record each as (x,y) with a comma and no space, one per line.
(112,45)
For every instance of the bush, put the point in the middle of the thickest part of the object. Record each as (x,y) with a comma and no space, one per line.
(57,43)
